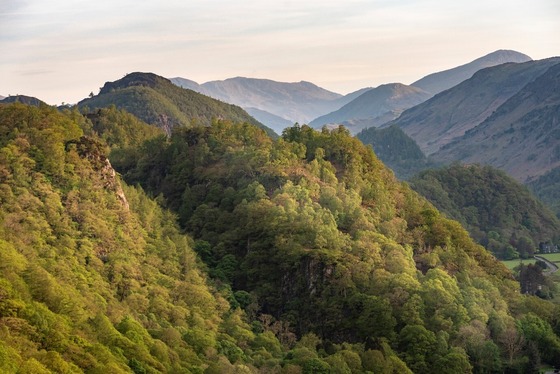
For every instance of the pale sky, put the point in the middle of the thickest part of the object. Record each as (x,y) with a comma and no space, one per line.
(60,51)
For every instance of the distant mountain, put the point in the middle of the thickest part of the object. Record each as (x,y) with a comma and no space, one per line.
(28,100)
(522,136)
(443,80)
(295,102)
(376,106)
(189,84)
(451,113)
(499,213)
(271,120)
(2,97)
(157,101)
(396,149)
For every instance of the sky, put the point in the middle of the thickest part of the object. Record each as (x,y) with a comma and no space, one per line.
(60,51)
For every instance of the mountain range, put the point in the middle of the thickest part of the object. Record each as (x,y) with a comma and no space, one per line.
(294,102)
(450,114)
(278,104)
(522,136)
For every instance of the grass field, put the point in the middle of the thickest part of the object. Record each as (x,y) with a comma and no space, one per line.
(510,264)
(552,257)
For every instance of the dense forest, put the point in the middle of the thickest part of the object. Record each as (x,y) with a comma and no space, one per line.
(303,255)
(397,150)
(499,212)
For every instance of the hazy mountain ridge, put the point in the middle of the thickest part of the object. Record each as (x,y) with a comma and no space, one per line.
(450,114)
(521,137)
(443,80)
(385,101)
(295,102)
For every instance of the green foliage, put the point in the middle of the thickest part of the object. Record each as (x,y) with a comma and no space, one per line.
(498,212)
(307,237)
(326,241)
(396,149)
(546,188)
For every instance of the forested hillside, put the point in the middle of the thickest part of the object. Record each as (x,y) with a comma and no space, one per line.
(307,255)
(159,102)
(396,149)
(499,212)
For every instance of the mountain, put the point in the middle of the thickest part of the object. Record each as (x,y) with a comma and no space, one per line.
(278,124)
(157,101)
(450,114)
(443,80)
(498,211)
(521,137)
(396,149)
(2,97)
(295,102)
(29,100)
(375,106)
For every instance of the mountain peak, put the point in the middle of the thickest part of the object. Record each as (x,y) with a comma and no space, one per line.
(134,79)
(443,80)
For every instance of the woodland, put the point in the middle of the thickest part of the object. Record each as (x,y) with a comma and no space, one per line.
(219,249)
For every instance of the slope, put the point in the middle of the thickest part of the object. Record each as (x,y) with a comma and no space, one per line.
(324,238)
(452,113)
(521,137)
(387,99)
(94,276)
(499,212)
(443,80)
(157,101)
(396,149)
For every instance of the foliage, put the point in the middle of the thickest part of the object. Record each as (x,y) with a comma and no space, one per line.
(396,149)
(328,242)
(546,188)
(320,260)
(499,213)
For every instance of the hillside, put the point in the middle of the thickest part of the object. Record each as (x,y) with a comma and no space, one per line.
(547,189)
(309,256)
(521,137)
(450,114)
(443,80)
(325,239)
(499,212)
(384,103)
(94,276)
(396,149)
(159,102)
